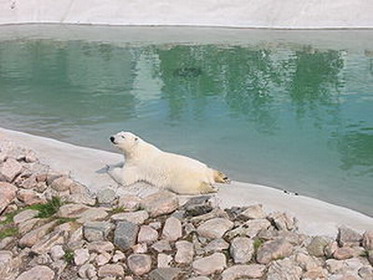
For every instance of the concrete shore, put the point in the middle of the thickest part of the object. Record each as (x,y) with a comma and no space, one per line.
(88,166)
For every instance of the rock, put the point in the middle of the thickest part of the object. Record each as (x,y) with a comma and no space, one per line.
(29,183)
(5,257)
(106,197)
(39,272)
(25,216)
(169,273)
(161,246)
(81,198)
(241,250)
(253,227)
(57,252)
(307,262)
(139,264)
(216,245)
(62,183)
(147,235)
(315,273)
(330,248)
(125,235)
(284,269)
(160,203)
(199,278)
(214,228)
(114,270)
(348,237)
(92,214)
(10,169)
(317,246)
(244,271)
(137,217)
(72,210)
(172,229)
(103,259)
(253,212)
(273,250)
(370,256)
(5,242)
(209,265)
(118,256)
(368,240)
(344,253)
(81,256)
(366,272)
(29,197)
(100,246)
(185,252)
(163,260)
(45,244)
(156,225)
(30,239)
(28,225)
(129,202)
(96,231)
(140,248)
(87,271)
(283,221)
(7,195)
(198,206)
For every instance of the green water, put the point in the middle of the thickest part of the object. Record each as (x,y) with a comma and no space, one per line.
(282,113)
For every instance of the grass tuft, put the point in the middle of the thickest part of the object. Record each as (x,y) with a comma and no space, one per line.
(69,256)
(8,231)
(117,210)
(48,209)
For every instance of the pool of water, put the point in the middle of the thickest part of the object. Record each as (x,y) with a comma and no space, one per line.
(292,110)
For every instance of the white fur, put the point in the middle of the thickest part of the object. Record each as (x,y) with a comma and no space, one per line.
(145,162)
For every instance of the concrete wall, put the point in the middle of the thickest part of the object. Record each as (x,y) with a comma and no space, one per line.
(233,13)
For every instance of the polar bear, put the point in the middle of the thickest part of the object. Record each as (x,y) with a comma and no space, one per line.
(145,162)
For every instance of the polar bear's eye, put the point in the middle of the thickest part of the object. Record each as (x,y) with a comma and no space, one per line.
(122,136)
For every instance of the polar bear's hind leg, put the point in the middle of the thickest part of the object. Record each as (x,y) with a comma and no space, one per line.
(207,188)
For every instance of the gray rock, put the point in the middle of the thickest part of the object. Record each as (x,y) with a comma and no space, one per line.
(284,269)
(106,197)
(209,265)
(370,256)
(39,272)
(7,195)
(161,246)
(273,250)
(57,252)
(172,229)
(125,235)
(163,260)
(253,212)
(25,215)
(81,256)
(185,252)
(10,169)
(348,237)
(160,203)
(129,202)
(137,217)
(241,271)
(147,235)
(368,240)
(317,246)
(242,250)
(216,245)
(96,231)
(170,273)
(214,228)
(111,270)
(198,206)
(139,264)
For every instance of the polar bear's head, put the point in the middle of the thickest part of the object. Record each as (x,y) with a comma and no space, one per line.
(125,141)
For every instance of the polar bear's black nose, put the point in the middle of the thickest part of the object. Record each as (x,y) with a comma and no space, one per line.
(112,139)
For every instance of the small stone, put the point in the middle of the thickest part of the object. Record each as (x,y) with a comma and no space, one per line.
(253,227)
(81,198)
(39,272)
(100,246)
(81,256)
(29,197)
(348,237)
(45,244)
(156,225)
(253,212)
(163,260)
(307,262)
(214,228)
(160,203)
(10,169)
(62,183)
(242,250)
(57,252)
(140,248)
(114,270)
(96,231)
(72,210)
(28,225)
(170,273)
(283,221)
(344,253)
(5,242)
(199,278)
(161,246)
(185,252)
(5,257)
(29,183)
(139,264)
(209,265)
(315,274)
(7,195)
(92,214)
(125,235)
(87,271)
(216,245)
(137,217)
(366,272)
(330,248)
(197,206)
(25,215)
(370,256)
(106,197)
(129,202)
(147,235)
(118,256)
(242,271)
(317,246)
(273,250)
(35,235)
(368,240)
(284,269)
(172,229)
(103,258)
